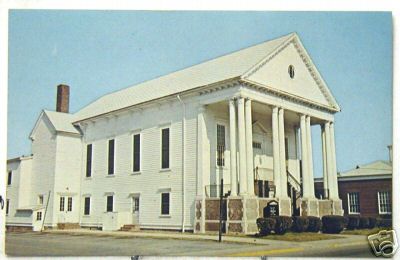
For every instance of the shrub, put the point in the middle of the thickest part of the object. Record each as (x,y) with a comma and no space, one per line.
(384,222)
(364,222)
(353,223)
(283,224)
(265,225)
(372,222)
(332,224)
(314,224)
(300,224)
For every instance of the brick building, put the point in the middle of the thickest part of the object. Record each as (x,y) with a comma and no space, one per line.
(365,190)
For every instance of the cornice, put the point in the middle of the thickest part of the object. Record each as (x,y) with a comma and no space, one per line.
(285,96)
(307,62)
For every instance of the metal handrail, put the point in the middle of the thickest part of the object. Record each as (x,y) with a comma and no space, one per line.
(293,178)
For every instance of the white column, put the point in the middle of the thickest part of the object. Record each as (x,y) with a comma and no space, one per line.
(275,151)
(329,159)
(232,136)
(203,162)
(282,156)
(335,192)
(324,162)
(310,159)
(242,148)
(249,148)
(304,158)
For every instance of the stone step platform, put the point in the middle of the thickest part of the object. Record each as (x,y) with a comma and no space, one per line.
(129,227)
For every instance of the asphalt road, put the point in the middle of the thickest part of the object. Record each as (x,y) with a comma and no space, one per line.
(45,244)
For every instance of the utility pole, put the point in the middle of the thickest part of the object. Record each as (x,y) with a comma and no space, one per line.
(45,211)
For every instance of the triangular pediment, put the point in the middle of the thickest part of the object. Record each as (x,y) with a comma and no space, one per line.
(304,82)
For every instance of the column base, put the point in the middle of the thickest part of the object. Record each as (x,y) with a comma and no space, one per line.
(330,207)
(242,214)
(337,208)
(309,207)
(285,207)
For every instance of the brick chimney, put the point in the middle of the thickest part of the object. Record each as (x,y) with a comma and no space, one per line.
(62,98)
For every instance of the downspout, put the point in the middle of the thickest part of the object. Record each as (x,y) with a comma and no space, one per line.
(183,161)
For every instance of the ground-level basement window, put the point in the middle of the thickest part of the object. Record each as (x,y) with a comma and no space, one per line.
(39,215)
(354,202)
(384,202)
(87,206)
(164,203)
(110,203)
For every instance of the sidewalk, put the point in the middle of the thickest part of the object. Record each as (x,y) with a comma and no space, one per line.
(274,246)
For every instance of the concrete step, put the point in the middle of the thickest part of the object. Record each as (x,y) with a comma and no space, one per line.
(129,227)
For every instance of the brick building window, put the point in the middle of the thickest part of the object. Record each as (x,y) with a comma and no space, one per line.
(353,200)
(384,202)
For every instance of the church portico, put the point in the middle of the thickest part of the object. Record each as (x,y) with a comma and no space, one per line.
(269,149)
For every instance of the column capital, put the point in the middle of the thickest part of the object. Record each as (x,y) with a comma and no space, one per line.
(202,108)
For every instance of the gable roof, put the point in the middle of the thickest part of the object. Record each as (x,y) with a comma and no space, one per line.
(370,169)
(61,122)
(234,65)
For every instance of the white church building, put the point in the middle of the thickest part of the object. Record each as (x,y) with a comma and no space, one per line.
(152,156)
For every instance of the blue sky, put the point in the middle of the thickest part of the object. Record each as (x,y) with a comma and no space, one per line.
(98,52)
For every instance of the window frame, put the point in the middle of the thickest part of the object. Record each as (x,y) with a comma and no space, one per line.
(38,216)
(349,205)
(62,204)
(111,159)
(167,167)
(87,207)
(9,178)
(110,208)
(222,124)
(134,152)
(169,205)
(89,165)
(7,206)
(388,204)
(40,199)
(69,204)
(135,204)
